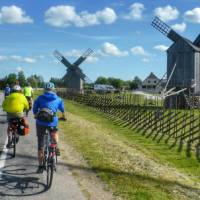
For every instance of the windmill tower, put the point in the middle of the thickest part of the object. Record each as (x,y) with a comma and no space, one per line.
(183,61)
(74,77)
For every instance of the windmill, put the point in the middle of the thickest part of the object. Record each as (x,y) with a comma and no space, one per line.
(183,62)
(74,77)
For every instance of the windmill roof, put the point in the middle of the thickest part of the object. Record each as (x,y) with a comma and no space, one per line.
(197,41)
(196,48)
(152,76)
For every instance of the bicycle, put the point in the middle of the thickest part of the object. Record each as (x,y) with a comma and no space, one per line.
(50,156)
(13,129)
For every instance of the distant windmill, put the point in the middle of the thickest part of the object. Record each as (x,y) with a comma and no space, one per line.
(183,60)
(74,76)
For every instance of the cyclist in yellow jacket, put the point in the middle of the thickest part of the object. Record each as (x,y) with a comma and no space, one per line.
(28,93)
(14,105)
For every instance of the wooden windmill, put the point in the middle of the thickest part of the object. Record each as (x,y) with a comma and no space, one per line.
(74,77)
(183,60)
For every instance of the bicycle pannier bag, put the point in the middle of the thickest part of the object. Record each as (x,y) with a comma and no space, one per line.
(45,115)
(23,127)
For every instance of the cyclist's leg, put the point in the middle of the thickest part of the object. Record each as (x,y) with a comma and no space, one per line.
(30,103)
(40,136)
(9,130)
(9,134)
(55,139)
(28,99)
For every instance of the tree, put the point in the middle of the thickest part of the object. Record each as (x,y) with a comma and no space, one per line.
(36,81)
(32,80)
(116,82)
(101,80)
(137,80)
(58,82)
(21,78)
(11,79)
(133,85)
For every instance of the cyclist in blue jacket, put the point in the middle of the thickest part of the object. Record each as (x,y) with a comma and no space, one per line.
(7,90)
(48,104)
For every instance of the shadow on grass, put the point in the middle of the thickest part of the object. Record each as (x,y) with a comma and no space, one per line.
(21,170)
(131,176)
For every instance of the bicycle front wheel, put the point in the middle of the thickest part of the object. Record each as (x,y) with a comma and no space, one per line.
(50,172)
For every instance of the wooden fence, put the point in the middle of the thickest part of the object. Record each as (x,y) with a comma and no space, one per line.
(177,128)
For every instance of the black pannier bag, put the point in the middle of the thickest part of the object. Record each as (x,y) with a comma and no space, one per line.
(45,115)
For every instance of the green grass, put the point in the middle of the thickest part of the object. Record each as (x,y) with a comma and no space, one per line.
(107,160)
(36,93)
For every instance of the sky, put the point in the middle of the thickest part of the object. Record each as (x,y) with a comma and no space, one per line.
(119,32)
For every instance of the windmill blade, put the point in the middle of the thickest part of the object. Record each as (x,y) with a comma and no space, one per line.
(160,81)
(177,92)
(166,30)
(169,91)
(170,77)
(62,59)
(83,57)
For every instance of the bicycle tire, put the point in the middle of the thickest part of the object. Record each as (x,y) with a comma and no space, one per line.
(50,172)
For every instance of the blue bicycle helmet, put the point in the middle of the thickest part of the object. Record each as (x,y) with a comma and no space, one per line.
(49,86)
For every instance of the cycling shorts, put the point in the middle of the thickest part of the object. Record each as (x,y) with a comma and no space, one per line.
(41,130)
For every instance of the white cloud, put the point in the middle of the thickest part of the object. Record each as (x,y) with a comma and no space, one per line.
(136,11)
(112,50)
(92,59)
(14,15)
(179,27)
(19,69)
(64,15)
(107,15)
(139,51)
(166,13)
(161,47)
(75,53)
(193,15)
(29,60)
(18,58)
(15,57)
(2,58)
(145,60)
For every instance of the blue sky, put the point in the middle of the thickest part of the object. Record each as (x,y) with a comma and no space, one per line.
(119,31)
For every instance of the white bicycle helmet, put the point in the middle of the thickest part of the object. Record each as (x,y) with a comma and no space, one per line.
(49,86)
(16,88)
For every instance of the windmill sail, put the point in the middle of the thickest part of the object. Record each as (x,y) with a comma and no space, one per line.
(83,57)
(62,59)
(165,29)
(74,78)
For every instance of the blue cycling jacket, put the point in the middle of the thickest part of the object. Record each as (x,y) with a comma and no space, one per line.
(7,91)
(51,101)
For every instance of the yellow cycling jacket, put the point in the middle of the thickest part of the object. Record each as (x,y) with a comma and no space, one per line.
(28,91)
(15,103)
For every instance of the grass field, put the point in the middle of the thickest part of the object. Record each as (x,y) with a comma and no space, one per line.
(133,167)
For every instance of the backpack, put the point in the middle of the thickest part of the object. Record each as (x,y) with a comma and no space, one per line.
(45,115)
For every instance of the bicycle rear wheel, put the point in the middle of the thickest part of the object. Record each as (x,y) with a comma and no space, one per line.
(50,172)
